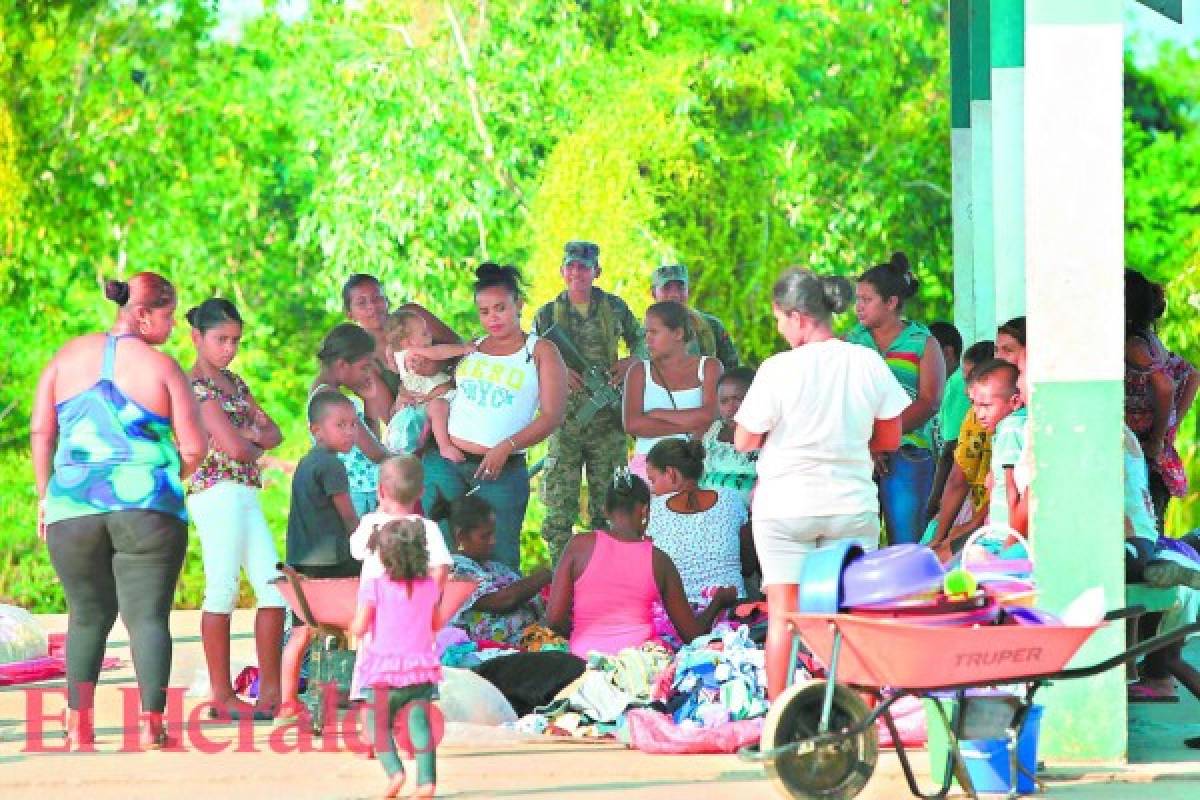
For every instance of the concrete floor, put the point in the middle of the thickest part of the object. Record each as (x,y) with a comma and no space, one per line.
(471,765)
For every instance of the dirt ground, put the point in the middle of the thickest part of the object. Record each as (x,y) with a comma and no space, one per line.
(470,764)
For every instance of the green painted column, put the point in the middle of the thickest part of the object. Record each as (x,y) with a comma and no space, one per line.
(982,243)
(1074,244)
(1007,23)
(960,169)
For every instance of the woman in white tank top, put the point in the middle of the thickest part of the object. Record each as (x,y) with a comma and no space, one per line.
(673,395)
(511,394)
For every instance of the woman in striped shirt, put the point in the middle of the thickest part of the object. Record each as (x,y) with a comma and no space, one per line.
(905,477)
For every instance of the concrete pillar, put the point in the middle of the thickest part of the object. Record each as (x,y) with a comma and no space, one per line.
(982,243)
(960,170)
(1074,241)
(1007,34)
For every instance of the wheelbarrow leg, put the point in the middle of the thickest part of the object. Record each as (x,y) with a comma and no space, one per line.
(830,682)
(956,768)
(902,754)
(795,653)
(910,776)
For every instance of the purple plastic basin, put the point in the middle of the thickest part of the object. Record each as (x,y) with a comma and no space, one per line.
(890,574)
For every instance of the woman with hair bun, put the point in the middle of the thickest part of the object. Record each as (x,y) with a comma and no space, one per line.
(818,412)
(223,497)
(704,531)
(115,430)
(672,394)
(511,394)
(910,350)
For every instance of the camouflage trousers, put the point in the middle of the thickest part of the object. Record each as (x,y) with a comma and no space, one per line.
(598,448)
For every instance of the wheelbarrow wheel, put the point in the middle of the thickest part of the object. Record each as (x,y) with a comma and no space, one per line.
(836,770)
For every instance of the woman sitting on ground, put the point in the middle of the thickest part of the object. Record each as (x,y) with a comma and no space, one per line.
(504,604)
(704,531)
(607,582)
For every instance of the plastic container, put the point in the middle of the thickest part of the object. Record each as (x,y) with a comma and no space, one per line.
(997,553)
(891,574)
(987,760)
(821,576)
(978,610)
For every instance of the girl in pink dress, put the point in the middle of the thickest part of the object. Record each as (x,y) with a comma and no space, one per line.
(397,662)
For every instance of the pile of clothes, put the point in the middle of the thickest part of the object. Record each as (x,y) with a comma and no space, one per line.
(708,697)
(715,679)
(594,704)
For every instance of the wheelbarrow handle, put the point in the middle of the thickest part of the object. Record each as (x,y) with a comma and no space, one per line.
(1148,646)
(297,583)
(1129,612)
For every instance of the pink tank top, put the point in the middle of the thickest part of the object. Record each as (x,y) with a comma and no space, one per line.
(613,597)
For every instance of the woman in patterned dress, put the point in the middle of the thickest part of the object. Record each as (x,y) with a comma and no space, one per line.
(223,497)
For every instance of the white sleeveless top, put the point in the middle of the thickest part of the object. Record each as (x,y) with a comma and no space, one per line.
(655,397)
(497,396)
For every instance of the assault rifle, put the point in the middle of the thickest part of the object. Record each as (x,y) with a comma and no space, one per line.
(601,394)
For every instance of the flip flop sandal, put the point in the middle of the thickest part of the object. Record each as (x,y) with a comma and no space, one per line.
(1140,693)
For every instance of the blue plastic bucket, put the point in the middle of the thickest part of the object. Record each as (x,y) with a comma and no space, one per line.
(987,759)
(821,576)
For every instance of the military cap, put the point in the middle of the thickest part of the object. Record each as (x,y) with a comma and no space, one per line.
(667,273)
(584,252)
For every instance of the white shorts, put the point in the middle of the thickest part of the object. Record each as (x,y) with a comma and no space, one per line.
(782,544)
(234,534)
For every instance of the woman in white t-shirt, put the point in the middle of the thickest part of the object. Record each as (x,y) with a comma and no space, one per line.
(672,395)
(818,411)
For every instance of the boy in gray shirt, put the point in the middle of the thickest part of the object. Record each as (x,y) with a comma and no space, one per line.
(321,518)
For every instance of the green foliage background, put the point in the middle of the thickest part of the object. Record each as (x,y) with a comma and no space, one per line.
(414,139)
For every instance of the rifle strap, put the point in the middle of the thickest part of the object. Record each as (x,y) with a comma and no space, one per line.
(603,314)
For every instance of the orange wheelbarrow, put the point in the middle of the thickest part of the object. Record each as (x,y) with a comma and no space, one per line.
(820,739)
(327,605)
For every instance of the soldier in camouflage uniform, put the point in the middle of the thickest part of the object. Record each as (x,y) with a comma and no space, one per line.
(594,321)
(670,282)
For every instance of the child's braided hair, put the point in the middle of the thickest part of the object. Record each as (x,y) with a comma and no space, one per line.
(402,549)
(626,492)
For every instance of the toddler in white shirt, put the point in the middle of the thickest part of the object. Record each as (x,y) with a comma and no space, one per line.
(423,401)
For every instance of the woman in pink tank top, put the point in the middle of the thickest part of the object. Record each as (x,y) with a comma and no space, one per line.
(607,582)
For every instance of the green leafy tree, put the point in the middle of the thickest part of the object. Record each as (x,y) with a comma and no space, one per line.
(414,139)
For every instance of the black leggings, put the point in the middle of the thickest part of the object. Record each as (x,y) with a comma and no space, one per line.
(127,561)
